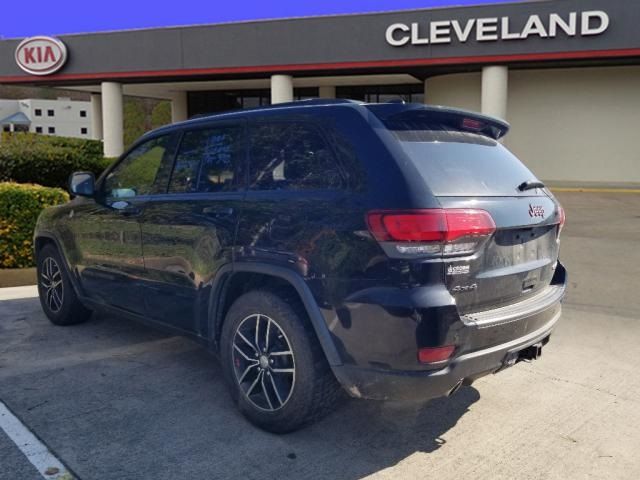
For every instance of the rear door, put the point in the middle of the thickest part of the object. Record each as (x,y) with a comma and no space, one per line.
(465,170)
(188,230)
(298,212)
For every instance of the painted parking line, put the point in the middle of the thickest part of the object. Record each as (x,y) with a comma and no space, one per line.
(36,452)
(17,293)
(595,190)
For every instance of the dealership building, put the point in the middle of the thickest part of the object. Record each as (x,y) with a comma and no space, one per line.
(565,74)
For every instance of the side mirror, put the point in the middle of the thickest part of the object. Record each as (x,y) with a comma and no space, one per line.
(82,184)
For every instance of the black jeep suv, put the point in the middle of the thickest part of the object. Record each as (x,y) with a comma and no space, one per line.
(396,250)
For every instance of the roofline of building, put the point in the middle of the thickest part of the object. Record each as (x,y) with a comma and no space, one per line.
(354,65)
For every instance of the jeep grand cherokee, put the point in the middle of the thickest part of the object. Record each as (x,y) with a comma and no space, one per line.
(394,250)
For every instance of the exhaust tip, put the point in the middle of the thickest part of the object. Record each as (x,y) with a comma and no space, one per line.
(455,388)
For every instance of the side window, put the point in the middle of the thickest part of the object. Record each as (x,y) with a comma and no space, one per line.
(291,156)
(136,173)
(209,160)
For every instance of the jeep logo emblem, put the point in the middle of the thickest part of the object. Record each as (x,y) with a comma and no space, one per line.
(41,55)
(536,211)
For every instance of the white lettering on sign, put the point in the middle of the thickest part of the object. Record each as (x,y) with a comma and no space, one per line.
(41,55)
(494,29)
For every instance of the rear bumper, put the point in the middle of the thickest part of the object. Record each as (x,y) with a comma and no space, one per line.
(486,342)
(422,385)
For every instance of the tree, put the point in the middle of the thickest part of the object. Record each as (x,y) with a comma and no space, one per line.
(161,114)
(134,120)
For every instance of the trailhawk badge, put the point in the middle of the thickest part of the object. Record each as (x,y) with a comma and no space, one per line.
(41,55)
(457,269)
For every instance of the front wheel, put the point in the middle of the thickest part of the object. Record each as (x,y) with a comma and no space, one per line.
(57,296)
(277,372)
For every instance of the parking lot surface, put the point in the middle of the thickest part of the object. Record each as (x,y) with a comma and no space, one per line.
(117,400)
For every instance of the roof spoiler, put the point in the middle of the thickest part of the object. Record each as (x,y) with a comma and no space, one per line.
(398,116)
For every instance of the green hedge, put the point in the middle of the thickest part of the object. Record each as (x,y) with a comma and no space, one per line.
(48,160)
(20,206)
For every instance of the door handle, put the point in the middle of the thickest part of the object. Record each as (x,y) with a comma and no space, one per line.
(218,211)
(126,209)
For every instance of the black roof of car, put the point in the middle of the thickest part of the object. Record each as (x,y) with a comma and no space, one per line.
(497,128)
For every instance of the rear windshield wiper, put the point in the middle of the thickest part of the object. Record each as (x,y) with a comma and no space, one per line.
(530,185)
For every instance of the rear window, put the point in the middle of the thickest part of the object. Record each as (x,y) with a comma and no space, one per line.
(454,162)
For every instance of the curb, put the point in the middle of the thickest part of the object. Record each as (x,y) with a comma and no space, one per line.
(17,277)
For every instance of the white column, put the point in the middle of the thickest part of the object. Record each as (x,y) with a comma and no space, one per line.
(179,107)
(281,88)
(112,119)
(495,90)
(327,91)
(96,116)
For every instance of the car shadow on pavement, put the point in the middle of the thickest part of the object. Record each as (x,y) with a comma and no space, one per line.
(372,436)
(116,399)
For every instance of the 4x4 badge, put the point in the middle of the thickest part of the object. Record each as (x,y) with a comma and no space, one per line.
(536,211)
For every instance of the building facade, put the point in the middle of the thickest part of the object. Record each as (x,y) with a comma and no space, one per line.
(62,117)
(564,73)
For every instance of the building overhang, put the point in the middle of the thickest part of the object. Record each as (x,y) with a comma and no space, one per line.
(525,33)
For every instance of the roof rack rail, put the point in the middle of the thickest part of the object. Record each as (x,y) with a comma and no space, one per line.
(313,101)
(295,103)
(332,101)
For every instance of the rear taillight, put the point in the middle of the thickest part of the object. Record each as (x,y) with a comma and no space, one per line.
(561,220)
(431,232)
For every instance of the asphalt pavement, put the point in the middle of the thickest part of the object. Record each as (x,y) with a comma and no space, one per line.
(113,399)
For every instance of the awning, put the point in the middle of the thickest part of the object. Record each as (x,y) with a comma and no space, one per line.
(18,118)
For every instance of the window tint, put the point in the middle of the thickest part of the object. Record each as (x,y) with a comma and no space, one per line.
(136,174)
(209,161)
(291,156)
(462,163)
(454,161)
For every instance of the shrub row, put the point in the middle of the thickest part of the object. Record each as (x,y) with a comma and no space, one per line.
(20,206)
(48,160)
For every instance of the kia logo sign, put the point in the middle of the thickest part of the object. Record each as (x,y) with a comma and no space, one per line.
(41,55)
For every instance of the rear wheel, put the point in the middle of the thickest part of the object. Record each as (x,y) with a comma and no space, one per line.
(57,296)
(277,372)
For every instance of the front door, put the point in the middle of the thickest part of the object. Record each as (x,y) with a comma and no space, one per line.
(107,229)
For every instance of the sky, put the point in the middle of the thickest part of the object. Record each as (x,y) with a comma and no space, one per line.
(55,17)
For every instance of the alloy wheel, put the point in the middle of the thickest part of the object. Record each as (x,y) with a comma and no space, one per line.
(263,362)
(51,282)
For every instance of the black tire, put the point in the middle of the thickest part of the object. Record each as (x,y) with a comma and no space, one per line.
(60,303)
(314,390)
